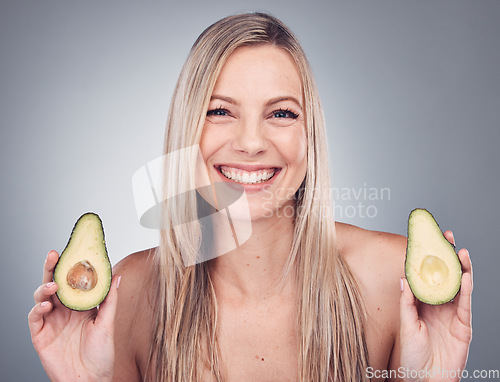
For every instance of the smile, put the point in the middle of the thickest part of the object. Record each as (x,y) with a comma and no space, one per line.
(248,177)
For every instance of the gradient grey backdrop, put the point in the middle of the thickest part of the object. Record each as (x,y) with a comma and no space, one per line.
(411,92)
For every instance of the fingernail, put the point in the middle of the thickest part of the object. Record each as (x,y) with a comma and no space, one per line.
(401,284)
(48,285)
(44,303)
(118,282)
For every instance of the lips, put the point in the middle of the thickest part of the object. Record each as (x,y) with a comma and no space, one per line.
(248,175)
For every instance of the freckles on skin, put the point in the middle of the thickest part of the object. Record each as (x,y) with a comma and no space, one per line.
(299,141)
(211,139)
(298,157)
(293,145)
(265,74)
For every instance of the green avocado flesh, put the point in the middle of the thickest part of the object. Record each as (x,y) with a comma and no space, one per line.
(432,267)
(83,272)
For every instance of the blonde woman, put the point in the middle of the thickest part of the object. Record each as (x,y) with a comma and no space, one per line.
(302,298)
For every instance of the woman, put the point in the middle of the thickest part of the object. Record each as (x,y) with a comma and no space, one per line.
(302,298)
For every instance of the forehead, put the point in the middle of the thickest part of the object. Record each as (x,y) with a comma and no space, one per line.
(260,70)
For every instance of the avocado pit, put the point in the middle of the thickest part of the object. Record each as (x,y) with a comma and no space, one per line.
(434,271)
(82,276)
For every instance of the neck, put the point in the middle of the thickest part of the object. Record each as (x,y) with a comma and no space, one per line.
(253,270)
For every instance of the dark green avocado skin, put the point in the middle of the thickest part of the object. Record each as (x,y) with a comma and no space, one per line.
(106,272)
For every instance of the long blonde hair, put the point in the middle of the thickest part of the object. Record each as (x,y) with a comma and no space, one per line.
(330,312)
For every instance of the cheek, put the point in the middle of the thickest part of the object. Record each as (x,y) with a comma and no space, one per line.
(210,142)
(294,148)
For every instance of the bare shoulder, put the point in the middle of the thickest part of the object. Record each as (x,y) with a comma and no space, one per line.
(133,315)
(376,259)
(134,265)
(351,239)
(372,255)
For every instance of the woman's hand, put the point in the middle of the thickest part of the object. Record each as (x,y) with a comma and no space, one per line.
(435,339)
(72,345)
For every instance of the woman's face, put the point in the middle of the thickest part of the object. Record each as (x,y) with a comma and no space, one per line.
(254,134)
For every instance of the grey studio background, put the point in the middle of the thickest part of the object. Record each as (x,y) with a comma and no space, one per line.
(411,92)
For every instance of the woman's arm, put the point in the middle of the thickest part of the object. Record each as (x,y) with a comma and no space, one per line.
(133,318)
(377,261)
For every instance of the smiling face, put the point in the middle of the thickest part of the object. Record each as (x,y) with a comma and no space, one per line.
(254,134)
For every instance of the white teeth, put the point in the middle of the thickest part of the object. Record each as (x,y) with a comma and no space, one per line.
(267,176)
(246,177)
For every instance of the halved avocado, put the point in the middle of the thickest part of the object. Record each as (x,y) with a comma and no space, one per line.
(83,271)
(432,267)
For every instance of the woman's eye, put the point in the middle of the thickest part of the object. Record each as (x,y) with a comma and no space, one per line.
(284,114)
(218,112)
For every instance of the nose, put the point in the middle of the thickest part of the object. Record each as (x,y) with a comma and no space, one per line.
(250,138)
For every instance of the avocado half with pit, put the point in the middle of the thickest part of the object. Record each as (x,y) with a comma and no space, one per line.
(432,267)
(83,271)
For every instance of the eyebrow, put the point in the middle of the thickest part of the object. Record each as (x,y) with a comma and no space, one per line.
(275,100)
(224,98)
(272,101)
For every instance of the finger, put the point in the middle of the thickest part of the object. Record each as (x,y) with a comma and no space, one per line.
(464,302)
(449,236)
(48,267)
(407,309)
(466,287)
(107,309)
(35,317)
(464,257)
(44,292)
